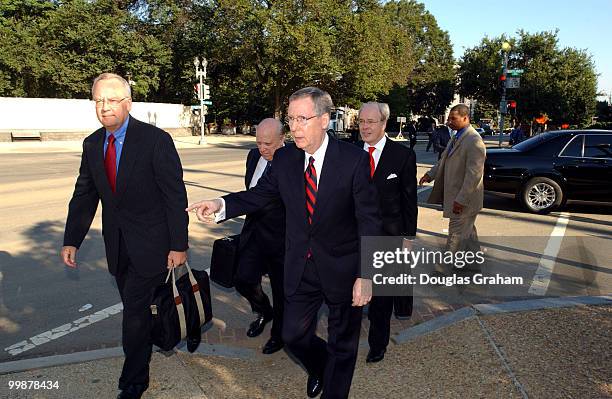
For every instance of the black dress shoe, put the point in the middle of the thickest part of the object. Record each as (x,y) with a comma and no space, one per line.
(132,391)
(375,355)
(257,326)
(193,343)
(273,345)
(314,385)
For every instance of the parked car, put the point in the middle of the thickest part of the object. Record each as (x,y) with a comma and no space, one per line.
(546,170)
(480,131)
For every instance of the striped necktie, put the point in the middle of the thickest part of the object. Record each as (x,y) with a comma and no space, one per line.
(310,177)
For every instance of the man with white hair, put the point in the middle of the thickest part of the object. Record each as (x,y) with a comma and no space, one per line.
(262,242)
(134,169)
(393,172)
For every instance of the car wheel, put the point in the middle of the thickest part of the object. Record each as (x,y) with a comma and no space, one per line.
(541,195)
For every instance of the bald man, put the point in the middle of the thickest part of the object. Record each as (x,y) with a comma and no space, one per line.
(262,242)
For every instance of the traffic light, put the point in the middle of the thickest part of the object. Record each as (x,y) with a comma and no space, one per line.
(512,107)
(502,81)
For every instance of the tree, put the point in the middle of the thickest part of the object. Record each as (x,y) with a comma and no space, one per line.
(560,83)
(60,50)
(429,85)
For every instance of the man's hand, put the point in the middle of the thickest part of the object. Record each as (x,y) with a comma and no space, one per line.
(425,179)
(362,292)
(68,255)
(204,209)
(457,208)
(176,258)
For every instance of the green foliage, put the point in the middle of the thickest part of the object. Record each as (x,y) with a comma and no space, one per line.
(560,83)
(259,51)
(59,53)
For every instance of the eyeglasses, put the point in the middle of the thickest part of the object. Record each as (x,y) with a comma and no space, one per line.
(364,122)
(300,120)
(112,102)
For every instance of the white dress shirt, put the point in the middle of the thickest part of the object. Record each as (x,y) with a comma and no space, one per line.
(319,157)
(378,149)
(259,169)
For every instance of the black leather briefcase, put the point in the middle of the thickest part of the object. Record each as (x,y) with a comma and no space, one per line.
(224,260)
(179,308)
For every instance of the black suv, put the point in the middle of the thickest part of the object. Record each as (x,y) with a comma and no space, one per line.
(546,170)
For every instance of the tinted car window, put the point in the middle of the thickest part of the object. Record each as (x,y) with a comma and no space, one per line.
(549,148)
(533,141)
(598,146)
(574,148)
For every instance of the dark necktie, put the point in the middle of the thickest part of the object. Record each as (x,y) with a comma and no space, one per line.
(110,162)
(372,163)
(311,189)
(266,169)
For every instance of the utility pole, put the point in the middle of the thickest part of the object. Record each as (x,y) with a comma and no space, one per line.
(502,104)
(202,93)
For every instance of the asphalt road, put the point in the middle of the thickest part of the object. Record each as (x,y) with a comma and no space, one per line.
(41,298)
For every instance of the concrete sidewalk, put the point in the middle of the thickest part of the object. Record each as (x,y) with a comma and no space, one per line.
(529,349)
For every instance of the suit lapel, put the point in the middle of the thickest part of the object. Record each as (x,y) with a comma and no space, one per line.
(129,155)
(297,184)
(458,142)
(327,181)
(97,158)
(383,161)
(251,166)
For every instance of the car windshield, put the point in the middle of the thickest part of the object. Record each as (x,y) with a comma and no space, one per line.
(534,141)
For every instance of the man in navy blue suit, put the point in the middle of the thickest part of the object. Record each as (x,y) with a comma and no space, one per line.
(262,242)
(134,170)
(330,203)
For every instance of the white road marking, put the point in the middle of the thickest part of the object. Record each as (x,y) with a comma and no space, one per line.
(541,278)
(85,307)
(65,329)
(62,330)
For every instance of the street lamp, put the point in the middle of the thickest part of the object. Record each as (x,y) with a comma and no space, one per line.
(201,73)
(505,48)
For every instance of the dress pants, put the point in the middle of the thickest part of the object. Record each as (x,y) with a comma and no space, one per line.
(253,262)
(136,293)
(462,236)
(334,359)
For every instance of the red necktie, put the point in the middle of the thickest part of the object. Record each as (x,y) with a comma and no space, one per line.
(110,162)
(311,188)
(372,164)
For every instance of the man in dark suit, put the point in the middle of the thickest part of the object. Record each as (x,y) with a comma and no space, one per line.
(134,169)
(393,171)
(330,204)
(262,241)
(440,139)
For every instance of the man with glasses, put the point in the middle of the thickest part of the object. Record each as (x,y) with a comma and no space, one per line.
(393,171)
(134,169)
(330,203)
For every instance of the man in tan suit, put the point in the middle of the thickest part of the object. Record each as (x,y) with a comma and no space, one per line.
(458,181)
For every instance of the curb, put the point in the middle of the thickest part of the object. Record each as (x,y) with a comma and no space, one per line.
(401,337)
(471,311)
(99,354)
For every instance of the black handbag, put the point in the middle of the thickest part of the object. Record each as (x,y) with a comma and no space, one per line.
(224,260)
(180,308)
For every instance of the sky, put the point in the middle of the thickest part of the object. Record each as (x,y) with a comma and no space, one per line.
(582,24)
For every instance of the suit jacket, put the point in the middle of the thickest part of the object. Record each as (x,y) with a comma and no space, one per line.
(458,175)
(148,208)
(441,138)
(397,195)
(266,225)
(346,209)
